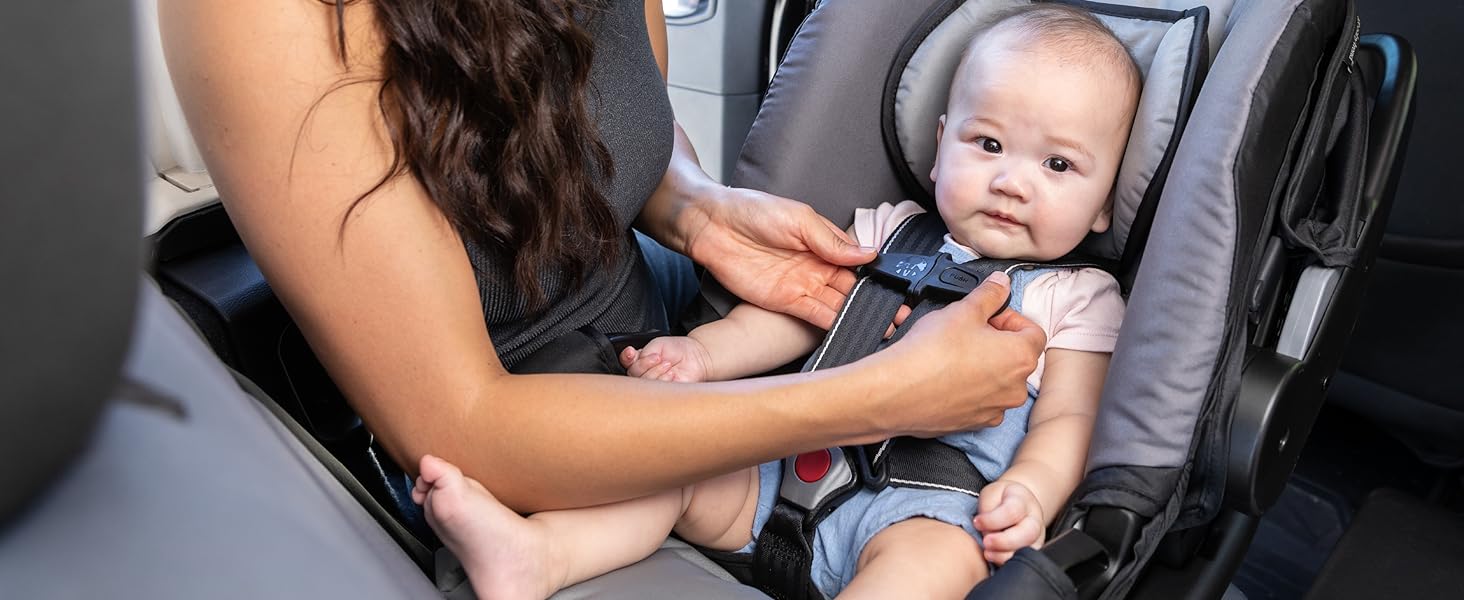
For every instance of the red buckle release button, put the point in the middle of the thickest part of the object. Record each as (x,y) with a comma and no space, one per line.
(812,466)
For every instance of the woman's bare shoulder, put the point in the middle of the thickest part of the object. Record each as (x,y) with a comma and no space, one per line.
(294,138)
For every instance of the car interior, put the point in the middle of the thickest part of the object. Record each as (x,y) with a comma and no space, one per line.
(172,434)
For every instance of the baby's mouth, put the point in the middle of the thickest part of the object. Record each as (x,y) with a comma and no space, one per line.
(1002,219)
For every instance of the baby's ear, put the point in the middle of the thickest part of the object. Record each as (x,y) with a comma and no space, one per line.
(1104,218)
(939,133)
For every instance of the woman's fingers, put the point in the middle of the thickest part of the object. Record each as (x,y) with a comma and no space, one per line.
(987,298)
(1013,322)
(820,314)
(902,314)
(965,371)
(841,282)
(828,242)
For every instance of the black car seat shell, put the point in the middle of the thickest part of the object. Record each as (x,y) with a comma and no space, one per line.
(1395,374)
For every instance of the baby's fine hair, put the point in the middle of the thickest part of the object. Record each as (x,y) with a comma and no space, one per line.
(1074,34)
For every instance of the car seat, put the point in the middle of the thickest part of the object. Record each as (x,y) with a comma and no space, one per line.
(1242,290)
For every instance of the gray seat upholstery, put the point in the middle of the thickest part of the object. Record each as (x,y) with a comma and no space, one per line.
(135,464)
(193,490)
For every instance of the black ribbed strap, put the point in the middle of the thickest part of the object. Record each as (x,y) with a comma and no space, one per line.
(871,305)
(920,463)
(783,561)
(909,268)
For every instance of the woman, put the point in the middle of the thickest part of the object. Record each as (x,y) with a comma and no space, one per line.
(436,189)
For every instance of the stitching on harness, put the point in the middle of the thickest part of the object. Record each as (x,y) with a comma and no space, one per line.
(880,453)
(898,230)
(824,349)
(949,488)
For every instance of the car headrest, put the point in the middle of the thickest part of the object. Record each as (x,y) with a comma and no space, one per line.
(1172,52)
(70,232)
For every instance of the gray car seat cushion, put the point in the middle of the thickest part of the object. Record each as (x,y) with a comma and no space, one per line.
(1164,372)
(674,571)
(1162,50)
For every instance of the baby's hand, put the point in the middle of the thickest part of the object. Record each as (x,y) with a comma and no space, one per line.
(668,359)
(1010,519)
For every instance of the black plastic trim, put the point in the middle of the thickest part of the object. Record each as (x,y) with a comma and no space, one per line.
(1279,396)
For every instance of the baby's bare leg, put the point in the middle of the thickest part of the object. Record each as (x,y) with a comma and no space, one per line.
(509,556)
(720,513)
(918,558)
(593,541)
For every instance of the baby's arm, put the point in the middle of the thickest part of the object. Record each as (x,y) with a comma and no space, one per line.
(1016,509)
(748,341)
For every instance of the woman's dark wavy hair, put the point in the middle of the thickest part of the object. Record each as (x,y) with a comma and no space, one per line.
(485,104)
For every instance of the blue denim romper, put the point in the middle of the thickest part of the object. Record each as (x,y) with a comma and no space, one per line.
(841,537)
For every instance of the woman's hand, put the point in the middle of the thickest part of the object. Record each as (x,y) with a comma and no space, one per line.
(960,367)
(774,252)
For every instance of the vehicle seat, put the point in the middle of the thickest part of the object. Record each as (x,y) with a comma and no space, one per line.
(1397,547)
(135,465)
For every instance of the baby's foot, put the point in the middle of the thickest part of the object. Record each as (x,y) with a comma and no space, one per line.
(504,554)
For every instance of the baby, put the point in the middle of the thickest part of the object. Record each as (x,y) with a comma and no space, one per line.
(1034,131)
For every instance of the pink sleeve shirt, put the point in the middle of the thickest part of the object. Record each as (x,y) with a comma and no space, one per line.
(1078,309)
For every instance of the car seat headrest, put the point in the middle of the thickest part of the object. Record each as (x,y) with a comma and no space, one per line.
(70,233)
(1172,52)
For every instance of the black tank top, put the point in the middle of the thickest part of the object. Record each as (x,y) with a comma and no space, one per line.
(628,99)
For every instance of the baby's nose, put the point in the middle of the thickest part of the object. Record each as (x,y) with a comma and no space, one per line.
(1010,183)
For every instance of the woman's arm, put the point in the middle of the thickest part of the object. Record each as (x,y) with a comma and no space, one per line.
(389,303)
(773,252)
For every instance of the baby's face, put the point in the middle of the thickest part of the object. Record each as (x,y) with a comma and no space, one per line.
(1028,152)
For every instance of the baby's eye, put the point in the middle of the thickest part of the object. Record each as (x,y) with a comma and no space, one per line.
(989,145)
(1057,163)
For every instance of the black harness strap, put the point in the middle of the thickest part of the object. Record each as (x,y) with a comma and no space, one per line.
(905,271)
(871,306)
(783,558)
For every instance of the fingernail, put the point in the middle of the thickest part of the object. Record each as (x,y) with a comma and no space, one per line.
(999,277)
(867,249)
